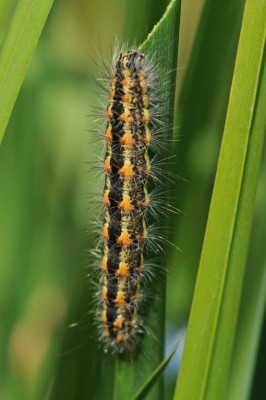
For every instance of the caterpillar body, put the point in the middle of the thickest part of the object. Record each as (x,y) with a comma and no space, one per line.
(127,167)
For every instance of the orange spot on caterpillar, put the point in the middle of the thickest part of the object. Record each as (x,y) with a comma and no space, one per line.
(143,85)
(105,232)
(124,83)
(127,171)
(142,238)
(106,332)
(124,115)
(127,140)
(106,200)
(104,317)
(141,74)
(107,164)
(147,138)
(121,338)
(126,98)
(112,94)
(120,301)
(146,115)
(117,324)
(126,205)
(126,73)
(148,169)
(104,264)
(145,100)
(147,200)
(124,239)
(145,171)
(133,84)
(113,81)
(130,120)
(123,270)
(144,203)
(108,134)
(109,112)
(104,293)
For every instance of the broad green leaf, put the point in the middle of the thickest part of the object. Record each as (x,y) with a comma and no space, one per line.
(212,324)
(17,50)
(161,46)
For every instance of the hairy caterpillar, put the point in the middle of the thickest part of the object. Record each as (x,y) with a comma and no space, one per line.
(130,123)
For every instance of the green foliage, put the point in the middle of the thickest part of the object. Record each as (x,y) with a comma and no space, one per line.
(144,390)
(211,331)
(48,346)
(17,50)
(254,288)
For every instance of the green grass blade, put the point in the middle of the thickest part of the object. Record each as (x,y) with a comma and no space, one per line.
(6,8)
(162,46)
(17,50)
(208,347)
(254,289)
(144,390)
(200,113)
(147,13)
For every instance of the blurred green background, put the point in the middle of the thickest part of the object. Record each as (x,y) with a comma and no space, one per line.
(48,343)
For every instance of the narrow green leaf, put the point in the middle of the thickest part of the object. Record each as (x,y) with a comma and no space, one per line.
(254,289)
(6,7)
(17,50)
(161,45)
(212,324)
(144,390)
(200,116)
(146,13)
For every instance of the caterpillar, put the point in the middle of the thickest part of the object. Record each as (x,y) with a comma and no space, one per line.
(127,167)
